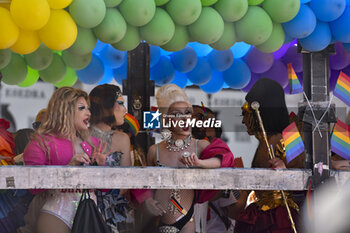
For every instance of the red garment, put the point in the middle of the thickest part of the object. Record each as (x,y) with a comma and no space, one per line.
(276,220)
(7,143)
(217,148)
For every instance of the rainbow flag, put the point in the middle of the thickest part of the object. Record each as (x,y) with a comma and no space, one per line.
(340,140)
(292,141)
(134,125)
(294,84)
(342,88)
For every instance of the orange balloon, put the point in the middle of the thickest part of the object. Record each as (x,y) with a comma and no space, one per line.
(28,42)
(8,29)
(60,32)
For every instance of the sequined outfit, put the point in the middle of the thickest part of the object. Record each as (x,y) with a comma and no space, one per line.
(115,207)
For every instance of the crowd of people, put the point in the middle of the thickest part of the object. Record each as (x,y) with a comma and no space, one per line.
(81,129)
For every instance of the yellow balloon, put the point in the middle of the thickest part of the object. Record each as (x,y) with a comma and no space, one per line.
(59,4)
(30,15)
(60,32)
(8,29)
(27,42)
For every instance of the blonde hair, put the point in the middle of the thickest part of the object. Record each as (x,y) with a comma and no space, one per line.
(60,115)
(169,94)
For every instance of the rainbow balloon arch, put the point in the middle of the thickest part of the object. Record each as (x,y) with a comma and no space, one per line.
(214,44)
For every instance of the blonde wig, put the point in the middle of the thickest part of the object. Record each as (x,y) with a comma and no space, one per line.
(169,94)
(59,121)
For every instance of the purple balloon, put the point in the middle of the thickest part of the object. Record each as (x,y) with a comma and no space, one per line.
(292,56)
(258,61)
(253,79)
(281,51)
(333,79)
(278,72)
(341,59)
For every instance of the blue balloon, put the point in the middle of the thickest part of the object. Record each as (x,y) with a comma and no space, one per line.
(120,73)
(340,27)
(238,75)
(93,73)
(240,49)
(347,47)
(215,84)
(201,73)
(180,79)
(112,57)
(184,60)
(163,72)
(220,60)
(319,39)
(107,77)
(154,54)
(302,25)
(225,85)
(328,10)
(304,1)
(201,49)
(98,47)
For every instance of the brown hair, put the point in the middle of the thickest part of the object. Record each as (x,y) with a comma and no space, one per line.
(103,98)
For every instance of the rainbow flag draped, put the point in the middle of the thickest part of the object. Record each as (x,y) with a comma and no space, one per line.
(340,140)
(342,88)
(292,141)
(294,84)
(134,125)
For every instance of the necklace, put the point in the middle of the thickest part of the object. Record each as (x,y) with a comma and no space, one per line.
(104,136)
(179,144)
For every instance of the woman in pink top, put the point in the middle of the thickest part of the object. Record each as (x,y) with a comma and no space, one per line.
(63,139)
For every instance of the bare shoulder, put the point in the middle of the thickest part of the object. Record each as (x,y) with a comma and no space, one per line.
(121,141)
(151,155)
(202,144)
(121,136)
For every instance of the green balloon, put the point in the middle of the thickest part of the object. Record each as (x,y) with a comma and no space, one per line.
(208,2)
(255,27)
(161,2)
(275,41)
(16,71)
(84,43)
(138,12)
(76,62)
(208,28)
(31,79)
(232,11)
(113,27)
(254,2)
(112,3)
(5,57)
(88,13)
(69,79)
(55,72)
(184,12)
(227,39)
(281,11)
(40,59)
(130,41)
(179,40)
(160,30)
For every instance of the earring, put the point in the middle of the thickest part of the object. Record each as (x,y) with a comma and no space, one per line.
(166,134)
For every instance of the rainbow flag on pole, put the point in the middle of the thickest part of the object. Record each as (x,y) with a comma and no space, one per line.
(292,141)
(340,140)
(342,88)
(294,84)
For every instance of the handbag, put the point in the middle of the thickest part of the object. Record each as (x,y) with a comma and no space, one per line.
(88,218)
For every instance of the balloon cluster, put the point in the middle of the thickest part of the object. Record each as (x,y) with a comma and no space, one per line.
(93,35)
